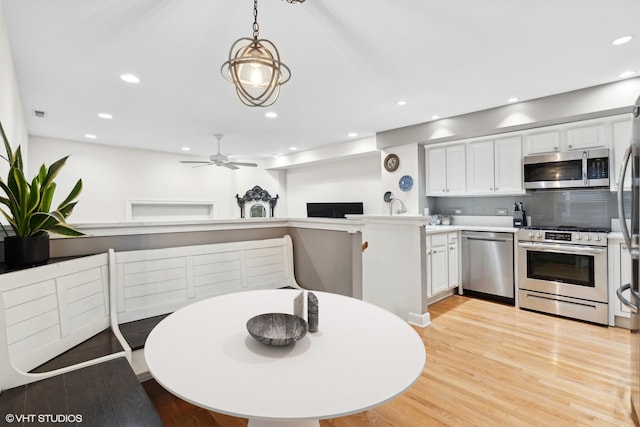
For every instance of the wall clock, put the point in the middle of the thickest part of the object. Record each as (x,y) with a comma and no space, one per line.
(391,162)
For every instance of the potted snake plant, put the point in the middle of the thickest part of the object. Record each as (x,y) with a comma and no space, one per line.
(27,208)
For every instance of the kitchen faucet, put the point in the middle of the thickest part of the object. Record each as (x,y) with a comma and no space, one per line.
(388,198)
(402,210)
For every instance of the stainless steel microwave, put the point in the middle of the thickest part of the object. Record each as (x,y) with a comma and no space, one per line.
(572,169)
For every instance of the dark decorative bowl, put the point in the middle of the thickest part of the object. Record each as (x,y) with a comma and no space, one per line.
(277,329)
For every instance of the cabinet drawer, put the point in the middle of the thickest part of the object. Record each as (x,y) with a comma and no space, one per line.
(439,239)
(452,237)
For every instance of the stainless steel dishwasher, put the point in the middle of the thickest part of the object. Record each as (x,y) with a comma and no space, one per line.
(487,265)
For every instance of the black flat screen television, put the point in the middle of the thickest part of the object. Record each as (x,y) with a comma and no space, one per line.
(333,210)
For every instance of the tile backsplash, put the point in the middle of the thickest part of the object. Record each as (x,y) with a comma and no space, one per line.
(584,207)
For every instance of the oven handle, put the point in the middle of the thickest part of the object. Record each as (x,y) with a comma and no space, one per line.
(623,300)
(563,249)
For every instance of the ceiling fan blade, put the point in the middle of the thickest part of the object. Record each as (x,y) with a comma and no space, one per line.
(230,166)
(206,162)
(253,165)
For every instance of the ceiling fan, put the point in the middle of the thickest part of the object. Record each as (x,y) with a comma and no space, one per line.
(219,159)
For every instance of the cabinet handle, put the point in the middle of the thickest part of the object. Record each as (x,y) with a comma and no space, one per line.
(365,245)
(555,148)
(490,188)
(434,251)
(570,146)
(447,190)
(451,248)
(624,247)
(428,252)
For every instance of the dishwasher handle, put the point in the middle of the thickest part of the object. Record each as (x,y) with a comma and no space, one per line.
(488,239)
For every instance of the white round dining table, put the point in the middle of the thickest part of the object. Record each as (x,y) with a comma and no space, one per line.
(360,357)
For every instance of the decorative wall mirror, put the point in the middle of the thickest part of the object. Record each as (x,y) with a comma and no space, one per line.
(261,198)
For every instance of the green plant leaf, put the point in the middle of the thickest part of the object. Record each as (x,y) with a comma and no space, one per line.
(28,204)
(53,171)
(7,147)
(66,230)
(47,197)
(75,192)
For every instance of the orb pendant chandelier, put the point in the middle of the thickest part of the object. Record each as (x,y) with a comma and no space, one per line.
(254,67)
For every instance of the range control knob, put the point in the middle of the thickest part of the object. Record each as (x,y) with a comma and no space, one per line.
(598,238)
(578,236)
(539,235)
(588,237)
(531,234)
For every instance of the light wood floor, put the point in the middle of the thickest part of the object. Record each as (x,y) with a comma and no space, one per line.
(488,364)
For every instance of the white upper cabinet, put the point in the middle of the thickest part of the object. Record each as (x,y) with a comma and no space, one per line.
(495,166)
(456,169)
(567,137)
(579,138)
(508,165)
(621,131)
(446,170)
(480,177)
(436,170)
(544,142)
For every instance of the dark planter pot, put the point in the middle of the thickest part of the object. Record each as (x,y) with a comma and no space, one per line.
(26,251)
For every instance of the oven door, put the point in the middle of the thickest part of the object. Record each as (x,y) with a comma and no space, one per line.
(568,270)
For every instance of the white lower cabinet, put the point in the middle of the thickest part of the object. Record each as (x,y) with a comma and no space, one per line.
(620,260)
(442,262)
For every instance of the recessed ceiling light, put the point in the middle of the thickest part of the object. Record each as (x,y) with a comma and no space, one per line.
(352,134)
(130,78)
(435,117)
(626,74)
(293,148)
(401,103)
(271,114)
(621,40)
(90,136)
(513,99)
(186,149)
(105,116)
(275,155)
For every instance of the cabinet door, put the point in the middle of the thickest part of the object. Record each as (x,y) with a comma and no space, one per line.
(546,142)
(453,266)
(439,269)
(585,137)
(621,139)
(436,171)
(625,277)
(456,169)
(480,171)
(508,165)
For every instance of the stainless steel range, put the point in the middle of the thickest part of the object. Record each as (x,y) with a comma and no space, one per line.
(563,271)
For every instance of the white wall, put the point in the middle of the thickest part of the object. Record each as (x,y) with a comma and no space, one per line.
(410,161)
(11,112)
(112,175)
(351,179)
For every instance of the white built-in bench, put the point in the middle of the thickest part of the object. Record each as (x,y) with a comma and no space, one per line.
(150,283)
(52,310)
(57,353)
(47,310)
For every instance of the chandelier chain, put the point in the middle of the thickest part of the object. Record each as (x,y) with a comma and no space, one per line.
(256,28)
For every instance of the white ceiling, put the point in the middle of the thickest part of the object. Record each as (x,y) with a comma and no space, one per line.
(351,61)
